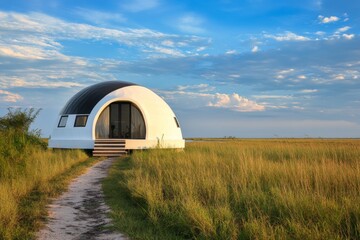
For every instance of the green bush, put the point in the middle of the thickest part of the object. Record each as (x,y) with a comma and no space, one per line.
(16,139)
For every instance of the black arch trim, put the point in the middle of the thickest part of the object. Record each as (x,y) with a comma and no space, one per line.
(84,101)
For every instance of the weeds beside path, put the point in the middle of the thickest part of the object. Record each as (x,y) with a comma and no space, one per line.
(30,174)
(25,195)
(129,217)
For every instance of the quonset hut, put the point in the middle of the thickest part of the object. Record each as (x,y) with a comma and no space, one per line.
(115,116)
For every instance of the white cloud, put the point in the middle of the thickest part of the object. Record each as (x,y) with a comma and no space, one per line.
(232,51)
(348,36)
(273,97)
(320,33)
(30,52)
(235,102)
(38,36)
(286,71)
(167,51)
(200,49)
(309,91)
(234,75)
(255,49)
(330,19)
(343,29)
(168,43)
(140,5)
(191,23)
(18,82)
(191,97)
(287,36)
(199,88)
(339,77)
(7,96)
(298,108)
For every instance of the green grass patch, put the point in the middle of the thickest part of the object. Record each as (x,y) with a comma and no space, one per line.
(30,174)
(32,207)
(129,216)
(25,194)
(240,189)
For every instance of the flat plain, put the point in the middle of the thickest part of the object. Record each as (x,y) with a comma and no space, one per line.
(239,189)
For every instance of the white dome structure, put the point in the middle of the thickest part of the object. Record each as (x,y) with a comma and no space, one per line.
(115,113)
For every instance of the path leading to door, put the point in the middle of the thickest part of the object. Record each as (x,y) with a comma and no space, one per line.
(81,212)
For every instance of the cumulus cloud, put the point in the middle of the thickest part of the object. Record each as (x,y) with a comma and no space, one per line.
(348,36)
(287,36)
(330,19)
(200,99)
(235,102)
(343,29)
(7,96)
(339,77)
(305,65)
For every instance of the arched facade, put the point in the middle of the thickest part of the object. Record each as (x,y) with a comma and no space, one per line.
(121,120)
(117,110)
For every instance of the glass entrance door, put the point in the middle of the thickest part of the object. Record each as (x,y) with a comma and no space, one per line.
(120,120)
(125,120)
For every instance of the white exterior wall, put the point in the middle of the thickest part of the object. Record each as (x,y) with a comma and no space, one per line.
(161,129)
(70,136)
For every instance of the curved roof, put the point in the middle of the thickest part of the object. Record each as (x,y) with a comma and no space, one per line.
(84,101)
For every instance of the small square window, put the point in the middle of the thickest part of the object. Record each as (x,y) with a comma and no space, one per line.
(62,122)
(177,123)
(80,121)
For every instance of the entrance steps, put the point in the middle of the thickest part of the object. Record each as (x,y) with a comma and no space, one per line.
(109,148)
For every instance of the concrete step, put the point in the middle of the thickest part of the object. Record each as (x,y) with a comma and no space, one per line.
(109,147)
(120,145)
(107,155)
(110,140)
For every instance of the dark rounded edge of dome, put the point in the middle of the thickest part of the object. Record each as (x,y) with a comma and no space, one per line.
(84,101)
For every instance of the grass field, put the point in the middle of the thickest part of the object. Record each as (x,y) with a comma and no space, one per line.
(29,176)
(239,189)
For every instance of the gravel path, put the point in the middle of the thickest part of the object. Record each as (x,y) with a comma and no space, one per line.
(81,212)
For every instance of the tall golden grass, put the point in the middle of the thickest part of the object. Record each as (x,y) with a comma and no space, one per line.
(22,172)
(251,189)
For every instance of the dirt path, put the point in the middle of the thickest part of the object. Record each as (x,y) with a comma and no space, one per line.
(80,213)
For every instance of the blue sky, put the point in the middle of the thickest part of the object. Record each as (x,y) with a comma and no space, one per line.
(255,68)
